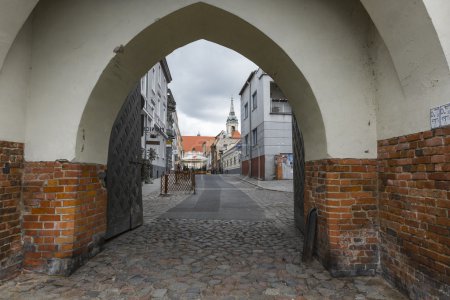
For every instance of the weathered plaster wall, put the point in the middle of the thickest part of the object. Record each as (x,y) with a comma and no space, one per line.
(419,61)
(14,87)
(315,50)
(74,42)
(13,14)
(348,85)
(439,11)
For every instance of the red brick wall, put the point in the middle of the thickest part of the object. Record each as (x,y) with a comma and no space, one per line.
(257,166)
(64,216)
(10,186)
(244,170)
(414,195)
(344,191)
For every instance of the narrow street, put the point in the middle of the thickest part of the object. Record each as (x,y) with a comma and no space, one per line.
(231,240)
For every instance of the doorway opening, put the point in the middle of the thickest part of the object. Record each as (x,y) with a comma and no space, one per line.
(163,116)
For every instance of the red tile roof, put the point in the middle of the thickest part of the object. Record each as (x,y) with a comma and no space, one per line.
(236,135)
(196,143)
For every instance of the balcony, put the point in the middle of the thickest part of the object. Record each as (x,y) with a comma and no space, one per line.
(280,106)
(170,133)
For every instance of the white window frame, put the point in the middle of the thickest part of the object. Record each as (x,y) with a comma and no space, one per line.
(154,80)
(254,100)
(144,86)
(246,144)
(160,75)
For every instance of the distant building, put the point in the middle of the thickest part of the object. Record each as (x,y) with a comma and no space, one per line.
(196,151)
(266,126)
(154,91)
(177,152)
(172,130)
(231,159)
(224,141)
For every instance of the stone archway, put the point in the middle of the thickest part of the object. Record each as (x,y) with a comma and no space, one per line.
(342,65)
(194,22)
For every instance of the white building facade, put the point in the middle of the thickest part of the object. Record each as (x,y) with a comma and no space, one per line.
(266,125)
(225,141)
(231,159)
(154,90)
(177,144)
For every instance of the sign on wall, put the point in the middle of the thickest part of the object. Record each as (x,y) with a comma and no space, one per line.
(440,116)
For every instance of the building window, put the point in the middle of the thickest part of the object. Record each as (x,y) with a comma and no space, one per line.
(280,106)
(255,136)
(246,111)
(144,86)
(246,144)
(160,75)
(154,81)
(158,108)
(234,159)
(255,101)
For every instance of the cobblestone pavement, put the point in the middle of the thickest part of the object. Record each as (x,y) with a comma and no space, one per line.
(203,259)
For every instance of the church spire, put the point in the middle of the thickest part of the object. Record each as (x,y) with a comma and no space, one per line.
(232,116)
(232,120)
(232,108)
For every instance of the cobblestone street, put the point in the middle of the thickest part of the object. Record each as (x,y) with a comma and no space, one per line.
(255,256)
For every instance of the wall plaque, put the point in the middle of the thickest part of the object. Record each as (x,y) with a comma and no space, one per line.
(440,116)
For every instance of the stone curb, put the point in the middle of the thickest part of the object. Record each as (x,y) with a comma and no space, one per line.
(262,187)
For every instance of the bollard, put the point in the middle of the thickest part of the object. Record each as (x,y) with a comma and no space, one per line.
(193,182)
(310,235)
(166,183)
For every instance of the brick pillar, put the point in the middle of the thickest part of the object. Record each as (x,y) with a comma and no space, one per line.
(64,218)
(344,191)
(11,167)
(414,185)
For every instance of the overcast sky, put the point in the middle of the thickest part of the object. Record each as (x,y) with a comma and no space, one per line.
(204,78)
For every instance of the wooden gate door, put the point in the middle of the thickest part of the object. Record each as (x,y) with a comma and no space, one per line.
(123,174)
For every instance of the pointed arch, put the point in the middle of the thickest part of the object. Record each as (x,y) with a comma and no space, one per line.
(191,23)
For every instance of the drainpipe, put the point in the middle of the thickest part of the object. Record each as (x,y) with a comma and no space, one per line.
(250,125)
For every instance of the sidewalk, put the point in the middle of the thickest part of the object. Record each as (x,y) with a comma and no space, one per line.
(151,188)
(272,185)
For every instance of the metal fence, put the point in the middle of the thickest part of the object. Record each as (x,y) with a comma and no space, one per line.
(178,182)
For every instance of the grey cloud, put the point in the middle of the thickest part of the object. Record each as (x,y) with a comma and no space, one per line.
(205,76)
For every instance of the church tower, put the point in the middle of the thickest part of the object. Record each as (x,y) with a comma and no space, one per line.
(232,121)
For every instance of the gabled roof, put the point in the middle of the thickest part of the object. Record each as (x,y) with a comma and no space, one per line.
(247,82)
(196,143)
(236,135)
